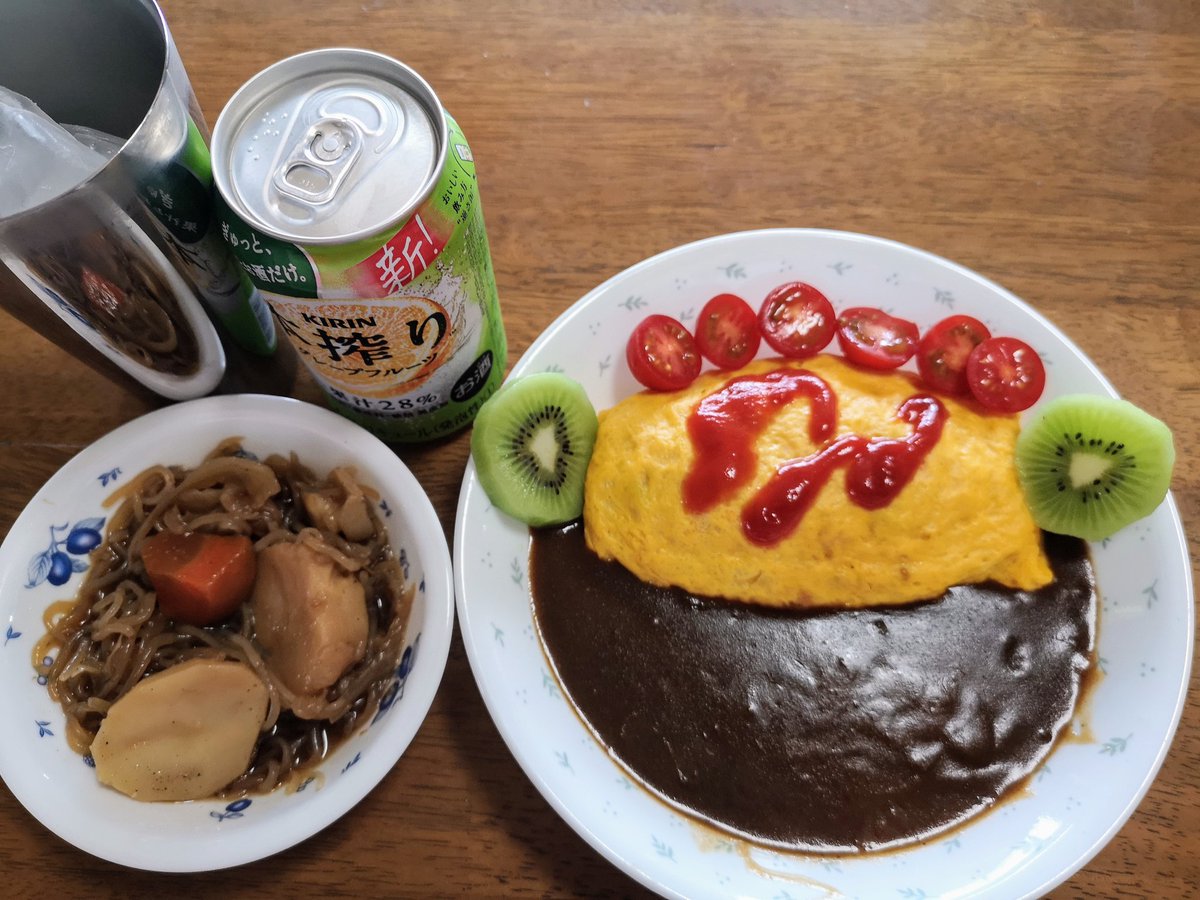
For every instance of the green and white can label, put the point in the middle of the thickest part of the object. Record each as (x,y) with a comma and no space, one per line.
(180,197)
(403,331)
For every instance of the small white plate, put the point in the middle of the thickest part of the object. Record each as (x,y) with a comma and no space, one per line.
(56,785)
(1022,848)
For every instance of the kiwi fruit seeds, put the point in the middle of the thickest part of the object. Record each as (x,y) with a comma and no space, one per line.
(1091,465)
(531,443)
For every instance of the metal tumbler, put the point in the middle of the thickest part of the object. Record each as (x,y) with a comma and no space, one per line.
(128,267)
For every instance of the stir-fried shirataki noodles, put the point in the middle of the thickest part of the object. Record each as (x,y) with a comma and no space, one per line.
(320,679)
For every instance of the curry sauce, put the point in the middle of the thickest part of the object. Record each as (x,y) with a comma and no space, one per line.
(826,729)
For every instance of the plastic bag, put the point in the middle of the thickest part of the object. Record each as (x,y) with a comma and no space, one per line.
(40,159)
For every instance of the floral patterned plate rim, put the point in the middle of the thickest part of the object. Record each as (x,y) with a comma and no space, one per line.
(43,558)
(1021,848)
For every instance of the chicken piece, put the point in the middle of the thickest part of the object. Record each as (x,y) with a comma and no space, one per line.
(309,615)
(340,509)
(354,520)
(183,733)
(321,510)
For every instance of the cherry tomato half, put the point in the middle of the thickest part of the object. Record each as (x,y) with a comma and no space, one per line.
(1005,374)
(797,320)
(872,338)
(727,331)
(662,354)
(943,351)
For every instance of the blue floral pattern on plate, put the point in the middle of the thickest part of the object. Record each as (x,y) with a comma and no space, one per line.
(66,554)
(234,810)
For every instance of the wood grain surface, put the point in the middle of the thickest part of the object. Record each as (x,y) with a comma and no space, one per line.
(1051,147)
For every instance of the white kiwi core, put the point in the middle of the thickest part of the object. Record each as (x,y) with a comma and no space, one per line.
(544,447)
(1086,468)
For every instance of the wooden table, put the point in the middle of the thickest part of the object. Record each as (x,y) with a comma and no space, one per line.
(1050,147)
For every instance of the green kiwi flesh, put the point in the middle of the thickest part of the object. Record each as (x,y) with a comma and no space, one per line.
(1091,465)
(531,444)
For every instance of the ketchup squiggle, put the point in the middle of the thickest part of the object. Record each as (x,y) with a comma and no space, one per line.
(726,423)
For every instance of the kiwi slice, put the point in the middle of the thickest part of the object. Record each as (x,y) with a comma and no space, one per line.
(531,443)
(1091,465)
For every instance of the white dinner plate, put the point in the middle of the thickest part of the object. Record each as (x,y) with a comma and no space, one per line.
(58,786)
(1075,802)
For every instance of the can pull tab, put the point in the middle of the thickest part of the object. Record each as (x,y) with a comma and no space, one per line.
(320,160)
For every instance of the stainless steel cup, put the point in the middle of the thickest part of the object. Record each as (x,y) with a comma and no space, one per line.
(128,268)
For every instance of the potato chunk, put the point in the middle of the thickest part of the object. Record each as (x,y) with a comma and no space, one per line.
(309,616)
(184,733)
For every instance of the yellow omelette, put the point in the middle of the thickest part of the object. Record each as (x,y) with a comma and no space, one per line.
(962,519)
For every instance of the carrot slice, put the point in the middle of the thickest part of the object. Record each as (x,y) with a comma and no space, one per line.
(199,578)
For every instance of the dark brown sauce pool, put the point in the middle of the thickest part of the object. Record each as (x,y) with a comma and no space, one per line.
(828,730)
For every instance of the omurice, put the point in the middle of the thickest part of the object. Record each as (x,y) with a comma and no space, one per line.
(790,498)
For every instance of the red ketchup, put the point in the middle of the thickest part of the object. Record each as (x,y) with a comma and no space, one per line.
(726,423)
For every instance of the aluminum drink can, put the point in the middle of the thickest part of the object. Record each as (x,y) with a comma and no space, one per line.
(349,196)
(180,198)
